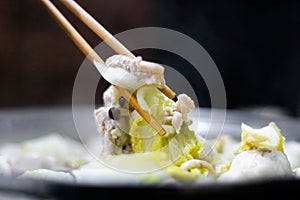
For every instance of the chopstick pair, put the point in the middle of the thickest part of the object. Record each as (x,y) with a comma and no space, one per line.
(105,35)
(92,55)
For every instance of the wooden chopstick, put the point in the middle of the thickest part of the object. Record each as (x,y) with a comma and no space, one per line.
(106,36)
(73,34)
(96,27)
(92,55)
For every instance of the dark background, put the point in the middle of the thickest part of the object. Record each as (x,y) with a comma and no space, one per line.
(255,45)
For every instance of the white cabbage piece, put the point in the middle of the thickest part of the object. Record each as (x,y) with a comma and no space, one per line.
(254,165)
(48,175)
(119,77)
(297,172)
(268,137)
(66,152)
(21,161)
(124,169)
(292,150)
(179,146)
(5,167)
(260,155)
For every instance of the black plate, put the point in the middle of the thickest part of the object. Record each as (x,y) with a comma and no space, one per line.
(39,189)
(21,124)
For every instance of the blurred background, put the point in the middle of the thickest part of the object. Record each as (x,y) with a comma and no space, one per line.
(255,45)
